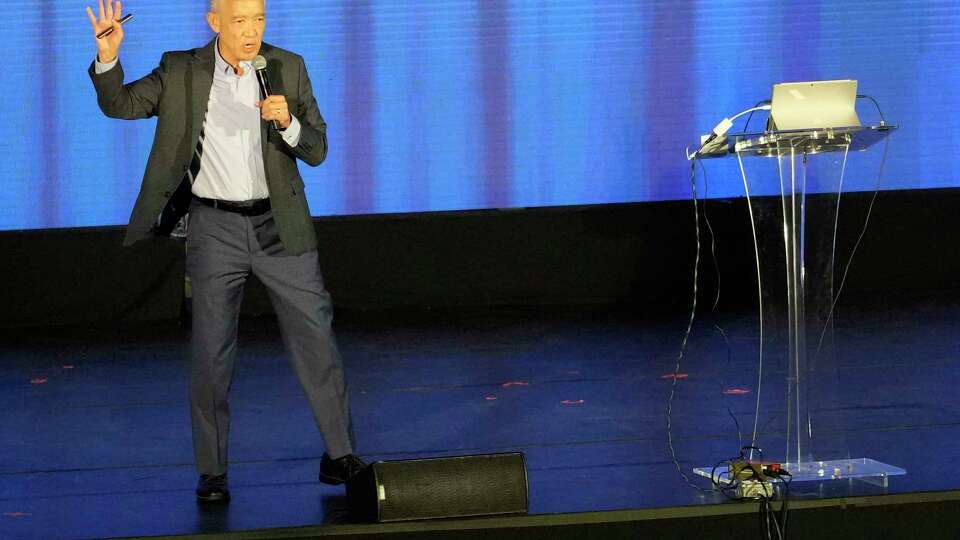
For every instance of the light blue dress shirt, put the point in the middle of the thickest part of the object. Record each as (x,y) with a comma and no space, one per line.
(231,168)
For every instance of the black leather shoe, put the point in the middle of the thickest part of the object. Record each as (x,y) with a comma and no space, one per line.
(213,489)
(340,470)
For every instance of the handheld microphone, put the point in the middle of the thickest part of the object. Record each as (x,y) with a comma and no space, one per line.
(260,65)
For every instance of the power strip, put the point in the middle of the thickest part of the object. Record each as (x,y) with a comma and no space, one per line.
(754,489)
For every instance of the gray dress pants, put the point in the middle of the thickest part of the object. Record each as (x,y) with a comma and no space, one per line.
(223,249)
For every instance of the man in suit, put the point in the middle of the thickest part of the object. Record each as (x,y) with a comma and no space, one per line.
(225,156)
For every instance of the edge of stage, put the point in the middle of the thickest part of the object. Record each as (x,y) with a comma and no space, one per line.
(911,515)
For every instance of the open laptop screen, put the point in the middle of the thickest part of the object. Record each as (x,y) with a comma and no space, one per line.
(816,104)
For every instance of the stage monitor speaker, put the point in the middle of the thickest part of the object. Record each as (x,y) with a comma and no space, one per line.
(460,486)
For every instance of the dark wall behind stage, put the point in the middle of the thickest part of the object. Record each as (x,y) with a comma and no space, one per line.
(637,256)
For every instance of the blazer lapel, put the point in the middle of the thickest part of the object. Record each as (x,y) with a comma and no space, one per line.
(265,131)
(201,81)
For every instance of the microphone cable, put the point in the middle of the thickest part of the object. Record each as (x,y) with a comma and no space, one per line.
(883,121)
(856,247)
(719,130)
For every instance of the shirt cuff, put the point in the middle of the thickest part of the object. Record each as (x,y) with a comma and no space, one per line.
(291,135)
(100,67)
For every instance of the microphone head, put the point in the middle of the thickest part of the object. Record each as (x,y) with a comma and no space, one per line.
(259,63)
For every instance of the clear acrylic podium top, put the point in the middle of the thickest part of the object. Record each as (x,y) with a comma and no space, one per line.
(772,144)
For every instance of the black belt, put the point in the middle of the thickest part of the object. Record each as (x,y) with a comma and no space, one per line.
(248,208)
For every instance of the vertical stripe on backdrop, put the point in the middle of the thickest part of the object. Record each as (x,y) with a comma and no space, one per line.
(496,137)
(359,97)
(49,169)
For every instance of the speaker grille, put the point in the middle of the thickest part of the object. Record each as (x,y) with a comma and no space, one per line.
(444,487)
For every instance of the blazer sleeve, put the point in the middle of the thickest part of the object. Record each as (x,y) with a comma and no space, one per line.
(132,101)
(312,148)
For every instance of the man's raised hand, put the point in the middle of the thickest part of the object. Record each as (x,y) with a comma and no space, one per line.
(108,47)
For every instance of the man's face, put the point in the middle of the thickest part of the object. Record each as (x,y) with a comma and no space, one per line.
(240,24)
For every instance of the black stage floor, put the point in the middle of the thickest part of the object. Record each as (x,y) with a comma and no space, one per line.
(96,439)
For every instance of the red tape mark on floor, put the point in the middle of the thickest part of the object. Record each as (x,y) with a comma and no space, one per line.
(491,398)
(736,391)
(572,402)
(67,366)
(508,384)
(17,514)
(669,376)
(38,380)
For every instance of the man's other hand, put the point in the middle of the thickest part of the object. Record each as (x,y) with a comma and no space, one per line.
(108,47)
(275,108)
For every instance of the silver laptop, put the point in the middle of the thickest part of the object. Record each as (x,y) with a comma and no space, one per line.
(817,104)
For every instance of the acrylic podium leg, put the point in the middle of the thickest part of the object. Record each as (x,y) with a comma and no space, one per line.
(793,193)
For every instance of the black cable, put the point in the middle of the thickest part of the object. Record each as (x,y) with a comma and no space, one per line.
(749,116)
(686,336)
(762,527)
(773,516)
(772,523)
(883,121)
(737,424)
(716,300)
(765,510)
(732,481)
(786,502)
(717,480)
(713,238)
(856,246)
(764,522)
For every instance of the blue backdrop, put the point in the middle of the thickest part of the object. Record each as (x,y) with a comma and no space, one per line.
(457,104)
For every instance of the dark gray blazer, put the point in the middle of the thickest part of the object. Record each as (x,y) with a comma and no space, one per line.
(177,92)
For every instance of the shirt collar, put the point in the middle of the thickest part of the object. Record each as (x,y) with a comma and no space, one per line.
(225,68)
